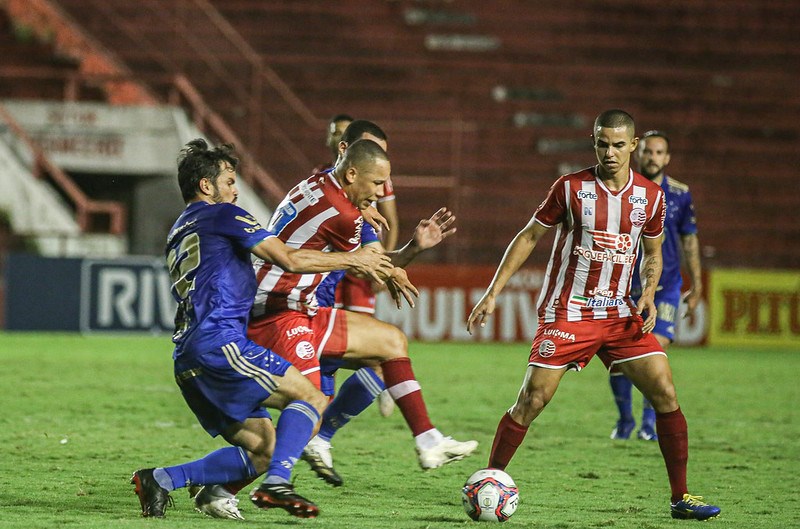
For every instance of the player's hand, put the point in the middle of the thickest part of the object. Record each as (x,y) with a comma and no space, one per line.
(401,288)
(370,262)
(434,230)
(375,219)
(692,298)
(646,304)
(481,311)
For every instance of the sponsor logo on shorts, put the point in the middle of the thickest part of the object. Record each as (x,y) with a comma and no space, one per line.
(304,350)
(547,349)
(558,333)
(641,201)
(666,312)
(587,195)
(638,217)
(297,331)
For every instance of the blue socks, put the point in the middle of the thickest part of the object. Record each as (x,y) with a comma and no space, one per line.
(621,388)
(221,466)
(355,395)
(648,414)
(294,429)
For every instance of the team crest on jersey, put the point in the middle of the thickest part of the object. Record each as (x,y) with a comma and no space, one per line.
(304,350)
(547,348)
(638,217)
(620,242)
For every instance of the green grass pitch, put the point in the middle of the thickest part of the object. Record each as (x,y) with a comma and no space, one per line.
(79,414)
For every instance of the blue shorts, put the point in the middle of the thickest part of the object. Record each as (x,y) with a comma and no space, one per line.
(328,367)
(229,385)
(667,302)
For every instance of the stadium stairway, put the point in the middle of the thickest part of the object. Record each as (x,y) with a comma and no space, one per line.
(47,57)
(42,203)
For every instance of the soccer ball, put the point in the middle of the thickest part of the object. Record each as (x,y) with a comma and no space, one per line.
(490,495)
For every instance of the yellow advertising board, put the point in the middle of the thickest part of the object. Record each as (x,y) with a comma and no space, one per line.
(755,307)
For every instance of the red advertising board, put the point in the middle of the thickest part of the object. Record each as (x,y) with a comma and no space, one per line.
(448,293)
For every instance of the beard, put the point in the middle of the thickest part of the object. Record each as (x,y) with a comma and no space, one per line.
(651,171)
(217,196)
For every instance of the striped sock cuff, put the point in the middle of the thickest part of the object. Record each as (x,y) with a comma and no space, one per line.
(371,381)
(305,408)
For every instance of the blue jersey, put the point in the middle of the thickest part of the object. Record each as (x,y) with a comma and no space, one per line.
(208,256)
(680,221)
(326,291)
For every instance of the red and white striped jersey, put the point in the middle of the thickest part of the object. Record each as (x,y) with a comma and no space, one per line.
(315,215)
(597,240)
(388,191)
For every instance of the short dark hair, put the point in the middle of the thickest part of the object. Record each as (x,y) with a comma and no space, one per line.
(615,118)
(358,128)
(196,161)
(363,152)
(341,117)
(657,134)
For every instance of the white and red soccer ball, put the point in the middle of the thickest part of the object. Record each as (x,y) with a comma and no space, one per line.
(490,495)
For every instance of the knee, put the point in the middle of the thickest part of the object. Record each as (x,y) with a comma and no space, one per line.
(314,397)
(664,398)
(318,400)
(528,406)
(393,344)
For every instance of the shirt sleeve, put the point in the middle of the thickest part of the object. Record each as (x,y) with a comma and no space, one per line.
(388,191)
(688,222)
(240,226)
(655,225)
(368,234)
(552,210)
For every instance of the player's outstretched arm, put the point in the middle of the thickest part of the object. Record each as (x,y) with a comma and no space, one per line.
(516,254)
(650,274)
(427,234)
(366,261)
(388,209)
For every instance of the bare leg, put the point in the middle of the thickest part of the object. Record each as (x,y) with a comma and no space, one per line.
(537,390)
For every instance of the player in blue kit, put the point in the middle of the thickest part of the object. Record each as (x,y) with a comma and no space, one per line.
(680,231)
(226,379)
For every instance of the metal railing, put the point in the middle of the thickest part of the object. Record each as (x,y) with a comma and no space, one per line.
(86,209)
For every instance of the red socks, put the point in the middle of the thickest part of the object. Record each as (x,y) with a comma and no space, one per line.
(673,439)
(407,394)
(507,439)
(236,486)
